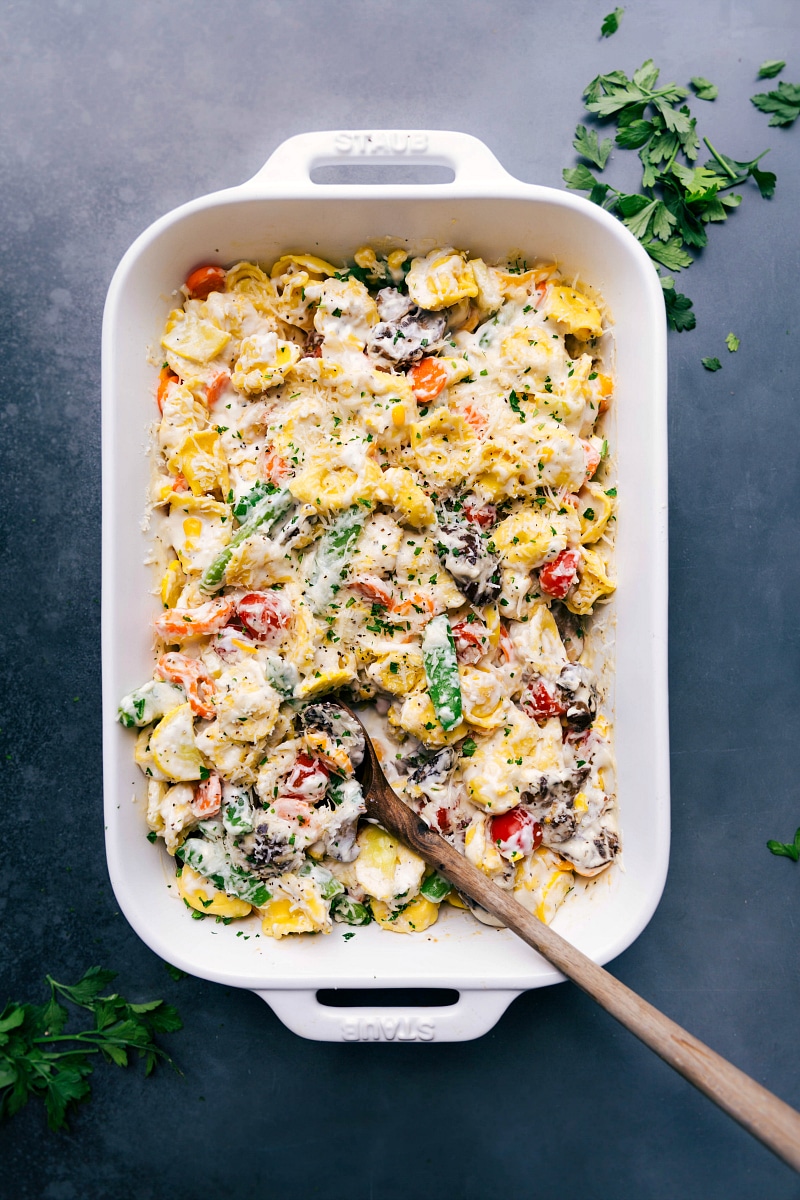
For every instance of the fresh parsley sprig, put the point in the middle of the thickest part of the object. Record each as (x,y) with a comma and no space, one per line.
(787,849)
(678,199)
(38,1057)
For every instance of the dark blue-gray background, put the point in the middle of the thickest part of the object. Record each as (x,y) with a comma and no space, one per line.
(111,114)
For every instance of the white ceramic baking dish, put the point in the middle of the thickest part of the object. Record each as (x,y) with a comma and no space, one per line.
(488,212)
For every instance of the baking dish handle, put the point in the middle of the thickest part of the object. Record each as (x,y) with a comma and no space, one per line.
(290,164)
(475,1013)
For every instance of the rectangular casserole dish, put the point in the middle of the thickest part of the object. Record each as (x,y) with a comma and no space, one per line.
(488,212)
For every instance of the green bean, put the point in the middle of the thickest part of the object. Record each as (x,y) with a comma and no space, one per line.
(257,508)
(435,887)
(237,809)
(211,861)
(349,912)
(441,669)
(333,550)
(325,880)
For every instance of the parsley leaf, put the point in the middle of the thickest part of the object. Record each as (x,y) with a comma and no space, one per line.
(704,89)
(611,22)
(711,364)
(786,849)
(679,317)
(771,68)
(783,103)
(586,143)
(732,342)
(579,178)
(670,254)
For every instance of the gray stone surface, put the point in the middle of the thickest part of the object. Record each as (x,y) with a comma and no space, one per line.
(112,113)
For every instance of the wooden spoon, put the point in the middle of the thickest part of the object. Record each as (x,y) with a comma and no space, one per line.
(761,1113)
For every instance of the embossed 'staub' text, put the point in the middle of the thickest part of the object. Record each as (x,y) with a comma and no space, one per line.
(381,142)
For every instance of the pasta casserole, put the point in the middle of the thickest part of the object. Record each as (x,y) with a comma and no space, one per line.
(387,480)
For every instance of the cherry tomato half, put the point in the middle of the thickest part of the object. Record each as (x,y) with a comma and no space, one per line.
(558,576)
(263,613)
(205,280)
(307,778)
(540,703)
(516,833)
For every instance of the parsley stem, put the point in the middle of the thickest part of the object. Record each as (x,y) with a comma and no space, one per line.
(731,174)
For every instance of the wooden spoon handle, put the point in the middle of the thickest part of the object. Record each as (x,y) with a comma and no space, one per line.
(769,1119)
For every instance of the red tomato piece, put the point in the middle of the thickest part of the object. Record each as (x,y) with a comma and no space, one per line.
(443,820)
(540,703)
(308,778)
(484,515)
(207,798)
(263,613)
(471,639)
(205,280)
(516,833)
(558,576)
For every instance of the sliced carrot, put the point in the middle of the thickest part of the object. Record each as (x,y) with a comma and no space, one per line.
(207,799)
(474,417)
(166,376)
(428,379)
(592,458)
(216,388)
(181,624)
(272,467)
(205,280)
(374,589)
(193,678)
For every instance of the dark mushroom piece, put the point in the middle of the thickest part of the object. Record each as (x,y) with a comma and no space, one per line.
(463,553)
(266,854)
(431,775)
(405,333)
(580,696)
(570,629)
(340,727)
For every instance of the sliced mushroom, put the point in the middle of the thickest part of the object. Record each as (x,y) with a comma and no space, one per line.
(462,551)
(405,340)
(339,726)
